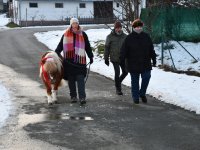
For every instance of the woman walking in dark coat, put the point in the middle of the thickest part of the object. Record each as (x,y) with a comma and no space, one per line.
(74,44)
(138,51)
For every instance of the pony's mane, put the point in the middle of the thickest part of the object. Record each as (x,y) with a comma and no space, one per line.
(56,58)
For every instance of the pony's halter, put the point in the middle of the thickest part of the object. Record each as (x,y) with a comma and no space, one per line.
(46,59)
(45,74)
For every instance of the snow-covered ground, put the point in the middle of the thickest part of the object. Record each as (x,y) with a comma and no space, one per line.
(5,104)
(178,89)
(3,21)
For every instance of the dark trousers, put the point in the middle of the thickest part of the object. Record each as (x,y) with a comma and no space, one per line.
(119,78)
(81,86)
(135,87)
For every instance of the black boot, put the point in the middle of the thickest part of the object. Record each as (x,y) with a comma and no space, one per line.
(119,92)
(73,99)
(82,101)
(144,99)
(118,88)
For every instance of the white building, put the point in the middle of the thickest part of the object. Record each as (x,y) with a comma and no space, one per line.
(1,5)
(30,12)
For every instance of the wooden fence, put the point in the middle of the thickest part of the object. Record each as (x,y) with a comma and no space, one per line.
(83,20)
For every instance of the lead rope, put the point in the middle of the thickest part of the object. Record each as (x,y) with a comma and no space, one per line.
(88,71)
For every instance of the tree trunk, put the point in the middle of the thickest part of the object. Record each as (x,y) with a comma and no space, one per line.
(136,9)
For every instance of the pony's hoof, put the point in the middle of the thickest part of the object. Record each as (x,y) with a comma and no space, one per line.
(56,102)
(50,104)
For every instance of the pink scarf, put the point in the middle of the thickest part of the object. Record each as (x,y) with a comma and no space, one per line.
(76,53)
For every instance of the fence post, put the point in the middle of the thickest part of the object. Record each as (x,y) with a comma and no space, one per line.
(162,51)
(26,17)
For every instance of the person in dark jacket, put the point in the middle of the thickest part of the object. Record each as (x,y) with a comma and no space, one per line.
(75,44)
(112,50)
(138,51)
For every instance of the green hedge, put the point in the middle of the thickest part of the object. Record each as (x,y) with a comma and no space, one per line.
(172,23)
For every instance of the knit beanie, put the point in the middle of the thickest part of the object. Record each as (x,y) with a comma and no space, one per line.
(137,23)
(72,20)
(117,24)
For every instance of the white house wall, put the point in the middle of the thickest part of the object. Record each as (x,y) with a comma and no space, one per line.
(1,5)
(47,11)
(143,4)
(117,10)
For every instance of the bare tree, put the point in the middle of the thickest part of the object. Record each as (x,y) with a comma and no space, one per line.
(136,8)
(129,11)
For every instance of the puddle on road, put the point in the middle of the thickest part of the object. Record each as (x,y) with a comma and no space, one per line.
(65,116)
(26,119)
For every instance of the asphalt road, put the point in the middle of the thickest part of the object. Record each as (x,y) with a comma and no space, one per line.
(107,122)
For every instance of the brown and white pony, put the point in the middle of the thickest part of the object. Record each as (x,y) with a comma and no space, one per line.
(51,73)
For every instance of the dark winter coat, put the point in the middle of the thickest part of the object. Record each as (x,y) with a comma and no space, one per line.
(71,68)
(138,51)
(113,45)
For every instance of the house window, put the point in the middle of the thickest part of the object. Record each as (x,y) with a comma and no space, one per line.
(33,5)
(117,4)
(58,5)
(82,5)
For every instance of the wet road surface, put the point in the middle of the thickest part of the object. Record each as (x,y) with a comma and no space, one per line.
(106,122)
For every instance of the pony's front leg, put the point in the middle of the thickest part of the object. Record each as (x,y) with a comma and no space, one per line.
(49,96)
(55,88)
(54,96)
(48,88)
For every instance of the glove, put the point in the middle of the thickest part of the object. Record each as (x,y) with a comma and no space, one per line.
(107,62)
(154,63)
(91,60)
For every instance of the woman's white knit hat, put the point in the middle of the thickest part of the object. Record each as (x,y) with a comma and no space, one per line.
(72,20)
